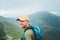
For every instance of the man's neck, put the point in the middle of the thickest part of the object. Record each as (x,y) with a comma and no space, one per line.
(26,26)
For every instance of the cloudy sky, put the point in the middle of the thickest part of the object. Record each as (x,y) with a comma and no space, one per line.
(15,8)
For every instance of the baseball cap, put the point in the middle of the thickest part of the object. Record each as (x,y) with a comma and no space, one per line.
(23,18)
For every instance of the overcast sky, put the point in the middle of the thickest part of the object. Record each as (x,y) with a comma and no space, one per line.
(15,8)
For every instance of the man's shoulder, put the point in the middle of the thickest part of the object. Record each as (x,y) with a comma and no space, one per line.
(29,34)
(29,31)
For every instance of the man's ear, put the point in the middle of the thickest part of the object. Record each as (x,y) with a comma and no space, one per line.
(28,22)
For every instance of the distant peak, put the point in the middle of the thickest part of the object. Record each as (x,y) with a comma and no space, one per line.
(55,13)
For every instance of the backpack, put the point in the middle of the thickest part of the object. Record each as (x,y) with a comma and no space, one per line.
(36,31)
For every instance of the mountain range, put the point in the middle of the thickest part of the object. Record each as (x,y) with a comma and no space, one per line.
(48,23)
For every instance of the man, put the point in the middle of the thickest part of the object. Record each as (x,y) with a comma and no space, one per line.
(25,23)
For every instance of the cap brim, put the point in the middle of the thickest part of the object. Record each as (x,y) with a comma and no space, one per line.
(18,19)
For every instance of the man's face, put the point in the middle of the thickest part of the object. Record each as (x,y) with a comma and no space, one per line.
(23,23)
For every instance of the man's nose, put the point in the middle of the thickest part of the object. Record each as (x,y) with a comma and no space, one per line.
(21,23)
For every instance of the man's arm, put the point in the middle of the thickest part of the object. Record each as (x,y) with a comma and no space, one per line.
(28,34)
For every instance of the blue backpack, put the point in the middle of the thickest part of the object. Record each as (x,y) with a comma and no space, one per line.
(36,31)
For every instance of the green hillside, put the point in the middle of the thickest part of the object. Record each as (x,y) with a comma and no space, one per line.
(2,32)
(13,31)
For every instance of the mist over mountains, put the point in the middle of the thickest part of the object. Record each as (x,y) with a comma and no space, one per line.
(48,23)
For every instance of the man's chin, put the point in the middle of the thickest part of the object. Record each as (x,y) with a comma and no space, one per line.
(22,27)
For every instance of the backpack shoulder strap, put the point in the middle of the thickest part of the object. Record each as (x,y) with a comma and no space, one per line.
(32,29)
(28,28)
